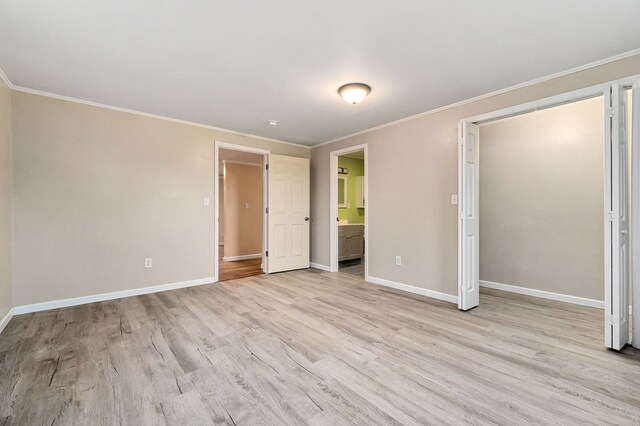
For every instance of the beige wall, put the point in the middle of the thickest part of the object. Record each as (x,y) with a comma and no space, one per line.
(413,166)
(96,191)
(243,226)
(542,200)
(6,296)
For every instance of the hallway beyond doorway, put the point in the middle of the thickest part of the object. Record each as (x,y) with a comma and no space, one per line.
(238,268)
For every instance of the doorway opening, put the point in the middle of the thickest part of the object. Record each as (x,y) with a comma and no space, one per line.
(544,178)
(349,201)
(541,206)
(240,202)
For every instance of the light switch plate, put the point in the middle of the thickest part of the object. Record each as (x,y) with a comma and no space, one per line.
(206,202)
(454,199)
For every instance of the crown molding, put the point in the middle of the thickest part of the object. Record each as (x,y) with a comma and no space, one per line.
(590,65)
(488,95)
(6,80)
(148,115)
(12,86)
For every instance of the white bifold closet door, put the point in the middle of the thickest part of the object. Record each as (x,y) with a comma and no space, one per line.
(288,213)
(468,219)
(616,220)
(635,212)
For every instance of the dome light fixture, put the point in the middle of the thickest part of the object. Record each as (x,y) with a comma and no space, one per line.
(354,93)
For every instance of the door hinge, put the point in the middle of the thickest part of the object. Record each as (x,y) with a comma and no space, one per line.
(266,210)
(267,253)
(611,111)
(610,319)
(461,214)
(267,167)
(610,216)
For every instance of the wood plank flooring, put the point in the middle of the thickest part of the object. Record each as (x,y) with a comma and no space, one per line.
(237,269)
(353,267)
(310,347)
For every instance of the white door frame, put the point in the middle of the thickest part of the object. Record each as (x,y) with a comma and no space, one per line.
(333,206)
(635,215)
(265,200)
(564,98)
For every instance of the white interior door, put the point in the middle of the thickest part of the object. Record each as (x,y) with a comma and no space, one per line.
(468,224)
(288,213)
(616,221)
(635,214)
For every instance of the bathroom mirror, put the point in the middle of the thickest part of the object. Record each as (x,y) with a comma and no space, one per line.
(342,192)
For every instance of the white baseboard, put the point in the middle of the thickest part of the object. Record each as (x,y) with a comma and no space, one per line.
(413,289)
(544,294)
(63,303)
(4,321)
(242,257)
(320,266)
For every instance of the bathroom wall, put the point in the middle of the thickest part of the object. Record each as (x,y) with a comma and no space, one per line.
(356,168)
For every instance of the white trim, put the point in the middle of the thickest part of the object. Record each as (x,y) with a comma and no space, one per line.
(242,257)
(413,289)
(6,80)
(490,94)
(635,215)
(333,205)
(140,113)
(582,301)
(216,199)
(242,163)
(63,303)
(243,148)
(6,319)
(320,266)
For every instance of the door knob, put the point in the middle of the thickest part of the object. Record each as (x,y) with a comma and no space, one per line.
(307,219)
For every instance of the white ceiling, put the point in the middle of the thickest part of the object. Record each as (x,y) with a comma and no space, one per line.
(237,64)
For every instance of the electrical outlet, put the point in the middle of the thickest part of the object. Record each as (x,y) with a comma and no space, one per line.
(398,260)
(148,263)
(454,199)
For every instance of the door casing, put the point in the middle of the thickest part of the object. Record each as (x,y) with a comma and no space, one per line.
(333,206)
(216,200)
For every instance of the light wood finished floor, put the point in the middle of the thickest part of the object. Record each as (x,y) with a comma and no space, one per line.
(237,269)
(353,267)
(310,347)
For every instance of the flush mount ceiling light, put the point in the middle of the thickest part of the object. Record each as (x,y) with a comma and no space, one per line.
(273,122)
(354,93)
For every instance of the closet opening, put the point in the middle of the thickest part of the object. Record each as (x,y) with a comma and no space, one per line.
(544,212)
